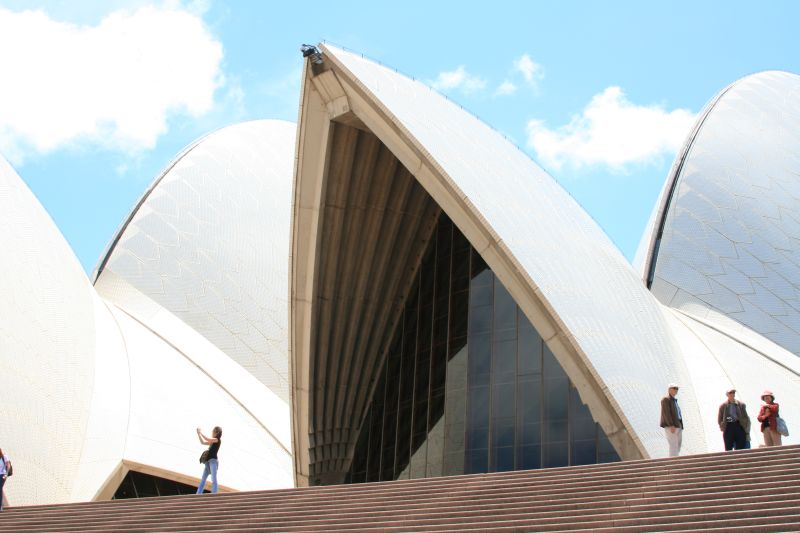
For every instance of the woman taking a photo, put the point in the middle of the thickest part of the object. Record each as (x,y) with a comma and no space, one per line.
(211,460)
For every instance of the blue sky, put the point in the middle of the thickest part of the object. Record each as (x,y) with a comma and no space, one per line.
(98,97)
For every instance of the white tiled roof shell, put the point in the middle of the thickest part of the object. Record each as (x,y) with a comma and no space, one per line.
(210,243)
(47,348)
(172,393)
(719,359)
(730,249)
(88,386)
(592,289)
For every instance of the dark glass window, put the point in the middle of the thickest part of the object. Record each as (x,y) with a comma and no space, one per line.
(375,418)
(468,384)
(138,485)
(358,472)
(390,412)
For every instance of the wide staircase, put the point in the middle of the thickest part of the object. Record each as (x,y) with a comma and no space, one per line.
(748,490)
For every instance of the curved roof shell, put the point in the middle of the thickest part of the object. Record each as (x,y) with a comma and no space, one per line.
(47,348)
(725,245)
(209,243)
(604,327)
(97,386)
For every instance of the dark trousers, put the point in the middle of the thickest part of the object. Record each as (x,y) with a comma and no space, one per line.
(734,436)
(2,482)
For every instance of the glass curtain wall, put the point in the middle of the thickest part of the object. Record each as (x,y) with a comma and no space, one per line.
(468,385)
(138,485)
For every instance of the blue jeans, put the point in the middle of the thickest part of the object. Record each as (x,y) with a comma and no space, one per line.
(211,467)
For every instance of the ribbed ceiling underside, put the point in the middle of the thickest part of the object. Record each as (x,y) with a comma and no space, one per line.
(375,223)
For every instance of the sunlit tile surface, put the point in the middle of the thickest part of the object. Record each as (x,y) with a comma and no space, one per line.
(731,237)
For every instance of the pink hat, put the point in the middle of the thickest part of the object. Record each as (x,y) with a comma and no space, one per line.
(768,393)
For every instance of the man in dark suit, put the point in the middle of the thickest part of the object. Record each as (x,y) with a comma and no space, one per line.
(733,422)
(672,420)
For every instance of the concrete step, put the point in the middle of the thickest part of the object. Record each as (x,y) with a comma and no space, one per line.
(705,463)
(584,501)
(685,493)
(517,512)
(471,484)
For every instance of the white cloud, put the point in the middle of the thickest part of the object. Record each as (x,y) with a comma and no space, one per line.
(458,79)
(611,131)
(505,88)
(114,84)
(531,71)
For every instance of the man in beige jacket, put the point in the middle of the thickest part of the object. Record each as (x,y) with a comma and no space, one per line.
(672,420)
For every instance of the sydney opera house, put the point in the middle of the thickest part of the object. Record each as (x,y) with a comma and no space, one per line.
(391,289)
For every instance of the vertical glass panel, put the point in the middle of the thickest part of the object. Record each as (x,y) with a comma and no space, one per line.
(479,269)
(477,461)
(503,414)
(376,430)
(481,293)
(556,454)
(406,397)
(529,457)
(503,426)
(529,397)
(358,469)
(504,360)
(480,359)
(502,459)
(478,428)
(459,293)
(583,452)
(605,451)
(480,365)
(435,440)
(453,460)
(390,414)
(505,309)
(418,464)
(438,375)
(419,427)
(582,426)
(555,402)
(126,489)
(582,430)
(167,487)
(455,413)
(480,316)
(145,485)
(556,408)
(529,348)
(530,401)
(552,370)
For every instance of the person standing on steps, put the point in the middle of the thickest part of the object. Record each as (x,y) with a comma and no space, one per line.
(768,416)
(734,423)
(211,459)
(5,471)
(672,420)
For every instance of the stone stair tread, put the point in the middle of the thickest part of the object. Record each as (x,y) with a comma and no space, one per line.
(684,493)
(531,507)
(266,497)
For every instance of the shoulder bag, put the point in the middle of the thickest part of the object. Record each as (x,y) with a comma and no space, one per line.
(783,429)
